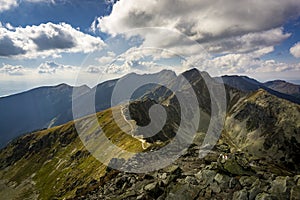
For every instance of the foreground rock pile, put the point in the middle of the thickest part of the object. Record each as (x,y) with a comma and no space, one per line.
(219,175)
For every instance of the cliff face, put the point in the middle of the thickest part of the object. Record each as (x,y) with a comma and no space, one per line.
(255,157)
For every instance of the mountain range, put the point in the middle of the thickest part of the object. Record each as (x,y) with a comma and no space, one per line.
(46,107)
(256,156)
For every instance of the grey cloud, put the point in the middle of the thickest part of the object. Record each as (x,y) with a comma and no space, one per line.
(8,48)
(46,40)
(61,40)
(51,67)
(205,21)
(94,70)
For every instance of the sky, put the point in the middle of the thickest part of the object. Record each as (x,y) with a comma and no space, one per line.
(48,42)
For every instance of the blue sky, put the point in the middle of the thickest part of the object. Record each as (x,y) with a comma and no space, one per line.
(46,42)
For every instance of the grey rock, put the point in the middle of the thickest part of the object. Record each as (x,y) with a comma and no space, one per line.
(295,193)
(215,188)
(219,178)
(232,183)
(263,196)
(183,191)
(279,185)
(151,186)
(141,197)
(255,190)
(240,195)
(297,179)
(208,192)
(191,180)
(163,176)
(207,176)
(247,181)
(173,169)
(222,180)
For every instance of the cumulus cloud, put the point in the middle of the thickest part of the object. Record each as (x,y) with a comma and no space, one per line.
(110,57)
(94,70)
(16,70)
(45,40)
(50,67)
(247,63)
(201,20)
(295,50)
(248,42)
(118,69)
(7,4)
(227,26)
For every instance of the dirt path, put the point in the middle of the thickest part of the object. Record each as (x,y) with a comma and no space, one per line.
(132,128)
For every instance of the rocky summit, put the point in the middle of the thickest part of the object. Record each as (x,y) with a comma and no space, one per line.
(255,157)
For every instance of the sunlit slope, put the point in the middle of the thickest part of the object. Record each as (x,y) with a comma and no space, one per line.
(54,163)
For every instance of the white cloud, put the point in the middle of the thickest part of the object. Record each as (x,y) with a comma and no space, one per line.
(45,40)
(12,70)
(49,67)
(7,4)
(94,70)
(218,26)
(247,63)
(52,67)
(118,69)
(238,33)
(104,60)
(295,50)
(110,1)
(200,19)
(248,42)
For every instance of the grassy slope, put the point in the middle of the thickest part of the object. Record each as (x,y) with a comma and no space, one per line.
(56,163)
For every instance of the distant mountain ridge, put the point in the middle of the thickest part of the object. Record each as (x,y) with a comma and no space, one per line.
(279,88)
(284,87)
(49,106)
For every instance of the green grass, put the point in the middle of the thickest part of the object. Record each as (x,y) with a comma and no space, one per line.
(54,179)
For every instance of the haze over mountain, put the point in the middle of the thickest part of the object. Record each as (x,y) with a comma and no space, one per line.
(284,87)
(46,107)
(260,139)
(278,88)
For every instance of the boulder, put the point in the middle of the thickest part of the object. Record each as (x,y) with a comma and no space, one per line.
(255,189)
(263,196)
(279,185)
(206,176)
(191,180)
(247,181)
(240,195)
(295,193)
